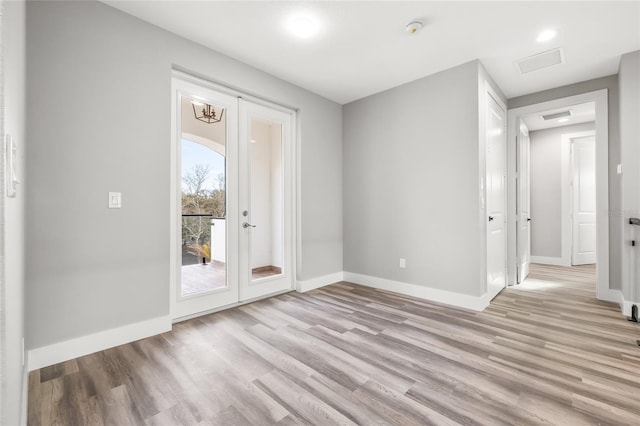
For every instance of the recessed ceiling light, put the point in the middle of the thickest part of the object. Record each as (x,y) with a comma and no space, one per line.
(563,120)
(546,35)
(303,26)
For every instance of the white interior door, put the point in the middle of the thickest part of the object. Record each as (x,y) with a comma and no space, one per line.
(583,170)
(496,194)
(523,203)
(266,201)
(204,246)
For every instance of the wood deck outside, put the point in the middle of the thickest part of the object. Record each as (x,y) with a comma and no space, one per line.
(200,277)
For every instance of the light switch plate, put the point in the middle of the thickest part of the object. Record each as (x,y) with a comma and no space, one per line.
(115,200)
(619,169)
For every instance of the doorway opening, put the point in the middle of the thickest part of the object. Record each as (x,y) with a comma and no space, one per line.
(558,164)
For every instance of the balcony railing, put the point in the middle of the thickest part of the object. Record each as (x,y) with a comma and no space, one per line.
(203,239)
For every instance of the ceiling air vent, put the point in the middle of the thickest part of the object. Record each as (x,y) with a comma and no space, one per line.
(556,115)
(541,60)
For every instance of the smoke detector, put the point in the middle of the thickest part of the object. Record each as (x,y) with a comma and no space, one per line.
(413,27)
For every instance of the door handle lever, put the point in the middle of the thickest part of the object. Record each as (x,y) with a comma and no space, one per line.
(248,225)
(490,218)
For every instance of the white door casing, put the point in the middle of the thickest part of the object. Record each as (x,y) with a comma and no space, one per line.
(600,97)
(496,193)
(583,197)
(524,202)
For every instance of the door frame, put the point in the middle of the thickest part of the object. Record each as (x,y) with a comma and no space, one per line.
(174,201)
(519,177)
(600,97)
(567,195)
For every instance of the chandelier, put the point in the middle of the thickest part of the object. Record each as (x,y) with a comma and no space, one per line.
(206,113)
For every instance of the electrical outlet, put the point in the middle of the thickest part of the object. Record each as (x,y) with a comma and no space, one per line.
(403,263)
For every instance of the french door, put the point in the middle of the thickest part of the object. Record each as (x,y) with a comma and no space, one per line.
(232,199)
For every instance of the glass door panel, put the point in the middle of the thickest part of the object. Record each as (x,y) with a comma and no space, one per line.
(266,236)
(205,145)
(266,200)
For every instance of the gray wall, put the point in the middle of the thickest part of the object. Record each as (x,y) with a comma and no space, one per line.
(629,79)
(411,183)
(13,115)
(99,84)
(610,83)
(546,188)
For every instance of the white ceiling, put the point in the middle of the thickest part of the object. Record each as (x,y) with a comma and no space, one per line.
(362,48)
(581,113)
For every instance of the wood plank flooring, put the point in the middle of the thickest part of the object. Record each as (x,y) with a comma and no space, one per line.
(546,352)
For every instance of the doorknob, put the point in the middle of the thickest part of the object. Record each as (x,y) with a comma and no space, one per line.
(528,219)
(248,225)
(490,218)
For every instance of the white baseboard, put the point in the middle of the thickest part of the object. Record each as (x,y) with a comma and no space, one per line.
(476,303)
(306,285)
(609,295)
(626,307)
(80,346)
(558,261)
(616,296)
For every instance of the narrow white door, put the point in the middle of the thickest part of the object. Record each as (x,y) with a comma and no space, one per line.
(204,191)
(524,202)
(495,195)
(583,170)
(266,200)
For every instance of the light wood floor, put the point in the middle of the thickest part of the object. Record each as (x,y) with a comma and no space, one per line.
(544,353)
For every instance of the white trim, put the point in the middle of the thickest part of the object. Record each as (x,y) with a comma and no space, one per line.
(225,307)
(80,346)
(626,307)
(546,260)
(602,178)
(476,303)
(313,283)
(566,230)
(224,88)
(613,296)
